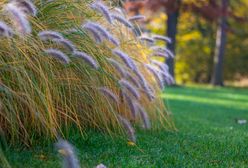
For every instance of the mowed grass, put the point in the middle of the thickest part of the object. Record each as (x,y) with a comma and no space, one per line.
(208,136)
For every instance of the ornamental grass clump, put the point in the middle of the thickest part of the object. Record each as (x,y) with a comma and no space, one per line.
(61,70)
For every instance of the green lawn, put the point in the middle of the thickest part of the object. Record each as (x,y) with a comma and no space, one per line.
(208,136)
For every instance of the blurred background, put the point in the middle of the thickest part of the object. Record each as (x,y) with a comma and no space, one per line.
(209,37)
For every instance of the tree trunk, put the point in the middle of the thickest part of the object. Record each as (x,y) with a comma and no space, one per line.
(172,21)
(217,76)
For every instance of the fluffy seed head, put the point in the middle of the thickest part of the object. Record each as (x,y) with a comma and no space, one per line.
(146,38)
(58,55)
(125,84)
(108,93)
(66,43)
(145,86)
(125,58)
(67,152)
(131,105)
(102,31)
(131,78)
(94,32)
(49,35)
(117,66)
(122,20)
(128,128)
(160,54)
(162,38)
(5,30)
(25,6)
(103,10)
(163,67)
(18,18)
(144,116)
(137,17)
(92,62)
(162,49)
(156,74)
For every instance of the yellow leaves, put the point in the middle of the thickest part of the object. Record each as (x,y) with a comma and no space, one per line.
(157,24)
(194,35)
(130,143)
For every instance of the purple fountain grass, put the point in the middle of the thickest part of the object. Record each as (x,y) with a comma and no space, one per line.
(130,103)
(108,93)
(162,49)
(49,35)
(162,66)
(101,166)
(18,18)
(128,128)
(145,85)
(162,38)
(160,54)
(5,30)
(125,84)
(66,150)
(103,9)
(66,43)
(117,66)
(94,32)
(102,31)
(122,20)
(125,58)
(119,11)
(132,79)
(87,58)
(137,18)
(144,116)
(146,38)
(25,6)
(156,74)
(58,54)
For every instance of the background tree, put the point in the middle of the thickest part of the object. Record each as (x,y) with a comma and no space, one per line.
(196,36)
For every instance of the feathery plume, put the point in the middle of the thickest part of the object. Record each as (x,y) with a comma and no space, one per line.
(66,43)
(162,49)
(132,79)
(108,93)
(144,116)
(120,11)
(137,17)
(162,66)
(156,74)
(104,33)
(25,6)
(128,128)
(125,58)
(160,54)
(87,59)
(149,92)
(103,10)
(117,66)
(49,35)
(68,154)
(5,30)
(101,166)
(94,32)
(125,84)
(145,85)
(122,20)
(19,19)
(58,54)
(146,38)
(131,105)
(162,38)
